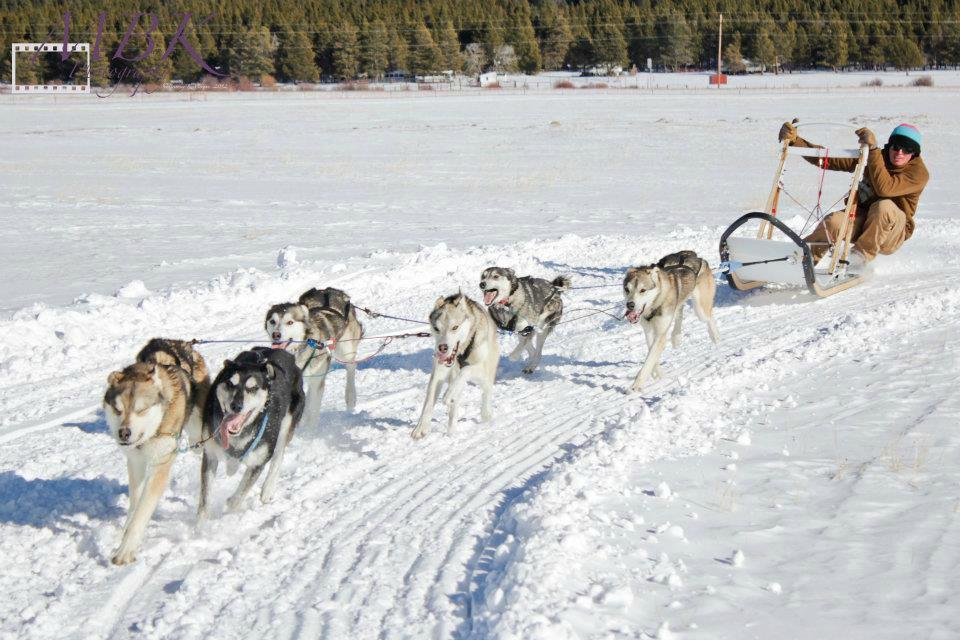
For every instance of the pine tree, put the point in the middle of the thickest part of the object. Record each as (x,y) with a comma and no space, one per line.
(674,38)
(556,38)
(425,56)
(324,39)
(399,51)
(786,43)
(156,69)
(493,38)
(874,55)
(834,43)
(29,68)
(733,56)
(524,40)
(374,49)
(905,54)
(763,50)
(250,54)
(295,57)
(609,43)
(951,50)
(449,45)
(184,66)
(641,38)
(346,52)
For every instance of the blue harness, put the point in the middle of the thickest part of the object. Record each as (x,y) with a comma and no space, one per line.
(256,440)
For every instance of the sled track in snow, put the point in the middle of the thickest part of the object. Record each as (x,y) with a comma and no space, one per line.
(386,543)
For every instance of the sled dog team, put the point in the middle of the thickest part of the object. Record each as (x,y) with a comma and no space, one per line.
(248,414)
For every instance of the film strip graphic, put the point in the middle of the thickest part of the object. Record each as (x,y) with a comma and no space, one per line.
(38,48)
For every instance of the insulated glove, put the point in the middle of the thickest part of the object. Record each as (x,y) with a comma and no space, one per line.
(788,132)
(865,136)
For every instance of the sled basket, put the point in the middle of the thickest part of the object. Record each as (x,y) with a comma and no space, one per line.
(753,262)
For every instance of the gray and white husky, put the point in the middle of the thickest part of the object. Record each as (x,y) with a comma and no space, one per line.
(526,305)
(465,339)
(321,315)
(655,295)
(253,407)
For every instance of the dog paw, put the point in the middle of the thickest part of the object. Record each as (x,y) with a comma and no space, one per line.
(636,387)
(419,433)
(123,556)
(528,370)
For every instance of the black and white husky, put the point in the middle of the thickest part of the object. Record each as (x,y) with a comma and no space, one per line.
(252,409)
(322,315)
(466,351)
(526,305)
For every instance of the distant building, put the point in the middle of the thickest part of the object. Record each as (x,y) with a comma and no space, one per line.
(488,79)
(396,75)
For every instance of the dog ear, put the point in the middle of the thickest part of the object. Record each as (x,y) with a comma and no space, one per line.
(439,302)
(305,310)
(114,378)
(227,364)
(632,271)
(271,371)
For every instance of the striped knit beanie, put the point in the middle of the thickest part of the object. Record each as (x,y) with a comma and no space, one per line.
(906,135)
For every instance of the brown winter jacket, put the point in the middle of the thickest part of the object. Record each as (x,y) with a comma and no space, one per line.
(882,180)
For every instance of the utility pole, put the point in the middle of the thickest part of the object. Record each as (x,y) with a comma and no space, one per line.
(719,50)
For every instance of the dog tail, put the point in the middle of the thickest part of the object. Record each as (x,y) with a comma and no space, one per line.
(562,283)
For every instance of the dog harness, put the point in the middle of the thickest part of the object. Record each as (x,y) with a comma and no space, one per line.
(463,355)
(256,440)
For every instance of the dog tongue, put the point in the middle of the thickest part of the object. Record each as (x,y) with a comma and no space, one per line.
(488,296)
(632,316)
(279,345)
(230,423)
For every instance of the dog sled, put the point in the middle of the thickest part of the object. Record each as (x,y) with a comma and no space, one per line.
(775,253)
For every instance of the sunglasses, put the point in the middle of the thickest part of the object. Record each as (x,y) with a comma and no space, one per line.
(905,148)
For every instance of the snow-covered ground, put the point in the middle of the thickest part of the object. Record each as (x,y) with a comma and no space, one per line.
(800,479)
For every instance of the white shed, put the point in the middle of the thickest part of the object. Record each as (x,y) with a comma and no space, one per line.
(488,79)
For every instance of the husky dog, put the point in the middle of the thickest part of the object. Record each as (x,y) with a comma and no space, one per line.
(321,315)
(147,405)
(525,305)
(655,295)
(251,412)
(466,350)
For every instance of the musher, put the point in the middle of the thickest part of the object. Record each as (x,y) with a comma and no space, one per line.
(888,195)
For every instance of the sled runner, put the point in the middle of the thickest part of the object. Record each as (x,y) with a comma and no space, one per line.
(775,253)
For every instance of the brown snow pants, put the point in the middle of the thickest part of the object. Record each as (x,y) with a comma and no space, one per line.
(881,230)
